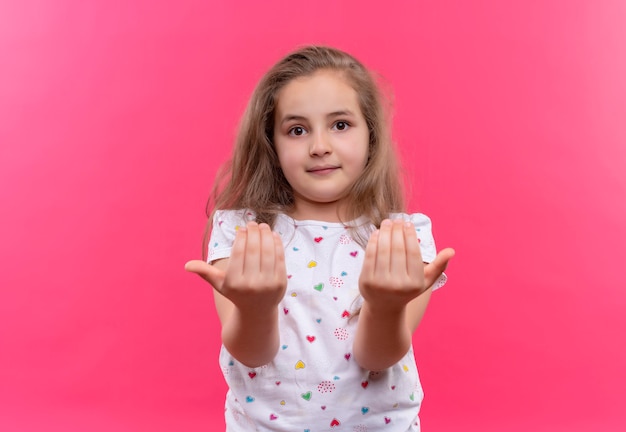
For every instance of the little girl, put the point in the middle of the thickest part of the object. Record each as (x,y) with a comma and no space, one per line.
(321,279)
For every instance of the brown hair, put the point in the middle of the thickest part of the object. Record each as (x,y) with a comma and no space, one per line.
(253,179)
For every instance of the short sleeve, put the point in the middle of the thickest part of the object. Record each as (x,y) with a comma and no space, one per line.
(225,226)
(423,227)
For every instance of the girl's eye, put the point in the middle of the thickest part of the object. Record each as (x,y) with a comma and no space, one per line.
(297,131)
(341,125)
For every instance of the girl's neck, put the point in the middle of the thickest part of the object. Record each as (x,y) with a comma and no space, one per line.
(323,212)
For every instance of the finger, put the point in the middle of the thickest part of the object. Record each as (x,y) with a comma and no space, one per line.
(369,261)
(209,273)
(397,258)
(415,266)
(279,261)
(383,250)
(238,252)
(268,249)
(433,270)
(252,263)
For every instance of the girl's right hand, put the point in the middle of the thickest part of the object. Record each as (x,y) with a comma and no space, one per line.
(393,273)
(255,277)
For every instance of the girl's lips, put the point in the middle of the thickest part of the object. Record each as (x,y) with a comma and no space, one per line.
(322,169)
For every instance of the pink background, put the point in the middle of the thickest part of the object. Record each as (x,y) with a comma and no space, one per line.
(114,116)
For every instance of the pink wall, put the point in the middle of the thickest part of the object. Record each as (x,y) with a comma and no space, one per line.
(114,116)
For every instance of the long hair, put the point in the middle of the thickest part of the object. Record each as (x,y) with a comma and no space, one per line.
(253,179)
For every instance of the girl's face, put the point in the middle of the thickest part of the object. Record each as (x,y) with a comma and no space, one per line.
(322,140)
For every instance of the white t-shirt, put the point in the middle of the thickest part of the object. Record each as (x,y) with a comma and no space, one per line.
(314,384)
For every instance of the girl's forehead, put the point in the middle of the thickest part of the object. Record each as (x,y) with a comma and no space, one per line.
(324,91)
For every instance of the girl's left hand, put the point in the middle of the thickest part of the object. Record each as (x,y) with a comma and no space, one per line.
(393,272)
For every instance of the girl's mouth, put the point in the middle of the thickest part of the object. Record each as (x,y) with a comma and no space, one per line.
(321,170)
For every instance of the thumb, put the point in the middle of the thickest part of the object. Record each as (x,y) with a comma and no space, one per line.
(433,270)
(206,271)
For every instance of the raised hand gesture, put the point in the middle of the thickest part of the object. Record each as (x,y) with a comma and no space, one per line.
(251,282)
(393,271)
(394,284)
(254,276)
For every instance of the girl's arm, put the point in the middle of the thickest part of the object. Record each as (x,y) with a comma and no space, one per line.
(384,334)
(395,286)
(249,286)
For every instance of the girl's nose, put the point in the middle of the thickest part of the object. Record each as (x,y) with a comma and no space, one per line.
(320,145)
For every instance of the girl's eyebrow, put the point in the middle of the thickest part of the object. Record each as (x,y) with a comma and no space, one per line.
(295,117)
(290,117)
(340,113)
